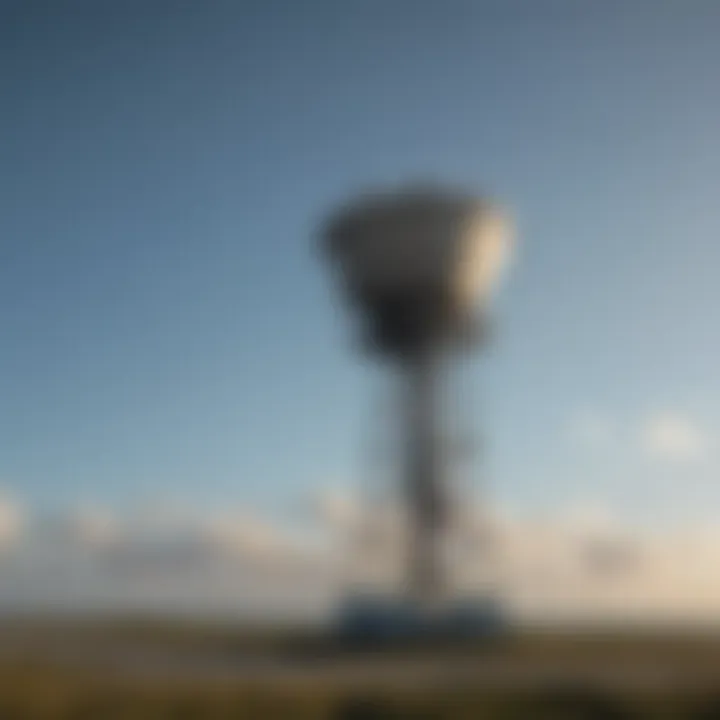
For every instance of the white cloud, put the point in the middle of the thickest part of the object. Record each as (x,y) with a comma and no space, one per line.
(243,534)
(662,436)
(88,527)
(12,521)
(672,437)
(338,508)
(578,562)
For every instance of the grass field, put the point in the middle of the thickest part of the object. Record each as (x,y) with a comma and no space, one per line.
(135,670)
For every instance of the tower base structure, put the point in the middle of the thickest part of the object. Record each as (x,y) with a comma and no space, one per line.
(385,620)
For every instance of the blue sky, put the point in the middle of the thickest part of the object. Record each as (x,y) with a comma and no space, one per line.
(167,332)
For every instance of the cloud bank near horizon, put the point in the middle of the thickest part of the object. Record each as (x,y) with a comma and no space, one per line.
(580,564)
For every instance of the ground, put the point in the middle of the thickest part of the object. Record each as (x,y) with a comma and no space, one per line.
(129,668)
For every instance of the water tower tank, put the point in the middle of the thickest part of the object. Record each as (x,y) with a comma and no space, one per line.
(418,263)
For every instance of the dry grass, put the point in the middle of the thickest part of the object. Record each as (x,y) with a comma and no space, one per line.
(35,688)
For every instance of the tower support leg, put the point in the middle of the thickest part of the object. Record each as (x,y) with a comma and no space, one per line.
(426,492)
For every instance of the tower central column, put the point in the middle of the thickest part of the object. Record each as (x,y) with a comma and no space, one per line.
(424,481)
